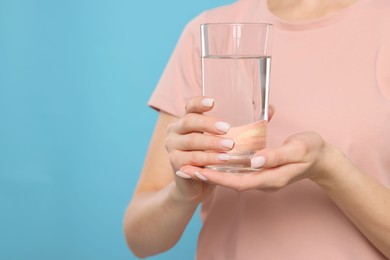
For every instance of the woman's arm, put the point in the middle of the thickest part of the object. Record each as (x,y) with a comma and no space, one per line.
(156,216)
(155,221)
(163,202)
(364,201)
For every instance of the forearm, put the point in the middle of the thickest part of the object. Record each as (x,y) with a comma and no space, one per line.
(155,221)
(363,200)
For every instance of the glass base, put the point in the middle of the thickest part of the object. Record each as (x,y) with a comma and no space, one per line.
(237,163)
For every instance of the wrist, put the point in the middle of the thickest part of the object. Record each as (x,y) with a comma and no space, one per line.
(178,198)
(330,166)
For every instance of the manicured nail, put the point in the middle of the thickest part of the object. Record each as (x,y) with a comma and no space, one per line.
(223,157)
(183,175)
(227,143)
(207,102)
(200,176)
(222,126)
(257,162)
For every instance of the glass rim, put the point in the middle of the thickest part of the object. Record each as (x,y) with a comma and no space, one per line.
(235,24)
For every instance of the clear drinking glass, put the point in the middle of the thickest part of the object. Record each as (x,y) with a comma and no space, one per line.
(236,64)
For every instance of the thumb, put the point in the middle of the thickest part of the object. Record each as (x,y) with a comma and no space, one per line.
(274,157)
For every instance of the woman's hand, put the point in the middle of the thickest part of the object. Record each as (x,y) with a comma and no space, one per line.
(187,141)
(303,155)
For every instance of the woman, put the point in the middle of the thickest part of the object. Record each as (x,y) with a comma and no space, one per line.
(327,155)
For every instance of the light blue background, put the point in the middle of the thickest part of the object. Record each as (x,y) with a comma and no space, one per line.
(75,76)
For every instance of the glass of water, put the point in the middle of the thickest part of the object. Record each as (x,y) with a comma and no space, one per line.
(236,65)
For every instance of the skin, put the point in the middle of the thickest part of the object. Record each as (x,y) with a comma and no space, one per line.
(301,10)
(173,181)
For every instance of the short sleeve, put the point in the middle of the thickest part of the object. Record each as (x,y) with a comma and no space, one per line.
(181,78)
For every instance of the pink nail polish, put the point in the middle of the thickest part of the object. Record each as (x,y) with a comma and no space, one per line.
(200,176)
(223,157)
(183,175)
(257,162)
(207,102)
(227,143)
(222,126)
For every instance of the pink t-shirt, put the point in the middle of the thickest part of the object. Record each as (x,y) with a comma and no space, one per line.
(331,76)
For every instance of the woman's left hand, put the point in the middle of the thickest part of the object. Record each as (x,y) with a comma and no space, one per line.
(303,155)
(362,198)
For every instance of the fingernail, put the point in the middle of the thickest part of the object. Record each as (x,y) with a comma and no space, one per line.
(207,102)
(200,176)
(222,126)
(227,143)
(183,175)
(257,162)
(223,157)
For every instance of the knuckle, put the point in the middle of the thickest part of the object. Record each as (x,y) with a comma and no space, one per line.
(186,121)
(199,158)
(191,141)
(277,159)
(301,147)
(318,141)
(194,158)
(170,128)
(168,143)
(173,155)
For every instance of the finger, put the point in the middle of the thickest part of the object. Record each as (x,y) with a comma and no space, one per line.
(269,180)
(199,123)
(194,172)
(291,152)
(198,142)
(199,104)
(196,158)
(238,182)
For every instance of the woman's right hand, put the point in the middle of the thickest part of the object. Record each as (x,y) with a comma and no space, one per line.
(196,140)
